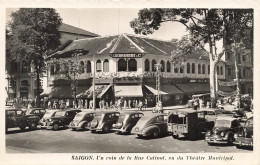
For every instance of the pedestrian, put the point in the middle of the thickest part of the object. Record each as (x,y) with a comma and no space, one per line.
(129,103)
(111,104)
(201,103)
(140,105)
(86,104)
(67,102)
(29,105)
(91,104)
(125,104)
(100,104)
(195,105)
(119,104)
(208,104)
(136,103)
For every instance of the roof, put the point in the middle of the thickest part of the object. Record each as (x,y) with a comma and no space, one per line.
(72,29)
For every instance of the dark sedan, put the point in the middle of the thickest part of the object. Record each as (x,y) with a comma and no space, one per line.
(81,120)
(223,131)
(151,126)
(126,121)
(245,137)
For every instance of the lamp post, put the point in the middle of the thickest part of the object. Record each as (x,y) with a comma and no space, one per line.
(158,84)
(94,84)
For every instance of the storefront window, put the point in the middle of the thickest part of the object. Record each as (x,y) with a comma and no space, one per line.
(175,70)
(221,70)
(193,68)
(203,69)
(147,65)
(122,65)
(199,69)
(132,65)
(153,66)
(88,67)
(188,67)
(162,66)
(168,66)
(98,66)
(106,65)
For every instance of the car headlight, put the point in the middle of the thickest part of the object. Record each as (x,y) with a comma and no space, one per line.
(235,136)
(222,134)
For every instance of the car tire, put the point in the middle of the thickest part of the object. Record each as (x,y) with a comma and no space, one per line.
(210,144)
(140,136)
(93,131)
(74,129)
(238,146)
(175,136)
(22,127)
(33,126)
(230,140)
(105,129)
(84,126)
(56,127)
(155,133)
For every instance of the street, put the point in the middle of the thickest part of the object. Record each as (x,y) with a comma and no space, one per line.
(67,141)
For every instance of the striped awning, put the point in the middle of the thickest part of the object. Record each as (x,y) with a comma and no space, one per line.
(100,90)
(164,89)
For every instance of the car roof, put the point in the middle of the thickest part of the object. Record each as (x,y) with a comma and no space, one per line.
(186,111)
(226,118)
(86,112)
(67,110)
(130,112)
(210,109)
(106,112)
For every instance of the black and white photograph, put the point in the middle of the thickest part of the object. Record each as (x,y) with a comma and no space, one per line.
(151,82)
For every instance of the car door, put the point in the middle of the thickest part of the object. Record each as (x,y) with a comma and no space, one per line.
(68,117)
(10,119)
(161,123)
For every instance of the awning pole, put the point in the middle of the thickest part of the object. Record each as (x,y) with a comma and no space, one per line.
(94,82)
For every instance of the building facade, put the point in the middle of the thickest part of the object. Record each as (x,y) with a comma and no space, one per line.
(20,78)
(125,68)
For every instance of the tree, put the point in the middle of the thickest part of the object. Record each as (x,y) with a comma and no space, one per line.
(34,34)
(205,26)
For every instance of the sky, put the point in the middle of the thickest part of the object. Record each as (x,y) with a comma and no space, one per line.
(104,21)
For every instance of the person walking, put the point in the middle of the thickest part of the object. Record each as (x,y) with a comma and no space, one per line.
(201,103)
(140,105)
(129,103)
(195,104)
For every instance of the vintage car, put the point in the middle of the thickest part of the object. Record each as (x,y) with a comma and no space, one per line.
(46,116)
(228,107)
(35,111)
(126,121)
(245,137)
(188,123)
(81,120)
(211,114)
(61,118)
(103,121)
(223,131)
(151,126)
(16,118)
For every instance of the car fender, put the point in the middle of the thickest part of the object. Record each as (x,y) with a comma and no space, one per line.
(149,129)
(229,133)
(81,123)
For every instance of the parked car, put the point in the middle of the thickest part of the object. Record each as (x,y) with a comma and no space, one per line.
(61,118)
(103,121)
(16,118)
(245,137)
(126,121)
(228,107)
(46,116)
(35,111)
(223,131)
(211,114)
(151,126)
(188,123)
(81,120)
(239,114)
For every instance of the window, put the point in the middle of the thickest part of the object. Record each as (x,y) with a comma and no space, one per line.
(217,70)
(229,71)
(24,83)
(244,72)
(181,69)
(153,66)
(203,69)
(221,70)
(175,70)
(239,73)
(99,69)
(162,66)
(228,56)
(106,66)
(147,65)
(199,69)
(168,66)
(238,58)
(208,69)
(52,70)
(193,68)
(122,65)
(25,66)
(244,57)
(57,68)
(188,67)
(132,65)
(35,82)
(88,67)
(82,66)
(13,67)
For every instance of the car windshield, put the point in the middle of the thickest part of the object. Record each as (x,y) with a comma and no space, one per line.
(48,114)
(223,123)
(60,113)
(99,116)
(78,116)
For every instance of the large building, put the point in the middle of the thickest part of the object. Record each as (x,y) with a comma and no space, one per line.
(20,80)
(125,68)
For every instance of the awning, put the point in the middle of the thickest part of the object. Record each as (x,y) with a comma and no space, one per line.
(194,87)
(100,90)
(128,91)
(46,92)
(164,89)
(65,92)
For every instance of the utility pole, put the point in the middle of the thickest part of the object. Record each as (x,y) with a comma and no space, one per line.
(94,83)
(158,83)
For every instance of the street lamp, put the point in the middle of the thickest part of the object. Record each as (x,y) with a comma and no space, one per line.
(94,83)
(158,68)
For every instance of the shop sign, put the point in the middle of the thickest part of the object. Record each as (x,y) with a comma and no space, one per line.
(127,55)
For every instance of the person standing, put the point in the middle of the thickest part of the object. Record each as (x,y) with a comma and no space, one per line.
(125,104)
(91,104)
(129,103)
(195,105)
(140,105)
(201,103)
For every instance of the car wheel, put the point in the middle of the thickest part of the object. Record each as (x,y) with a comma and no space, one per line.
(93,131)
(155,133)
(22,127)
(33,126)
(238,146)
(140,136)
(175,136)
(85,125)
(210,144)
(193,134)
(74,129)
(56,127)
(105,129)
(230,140)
